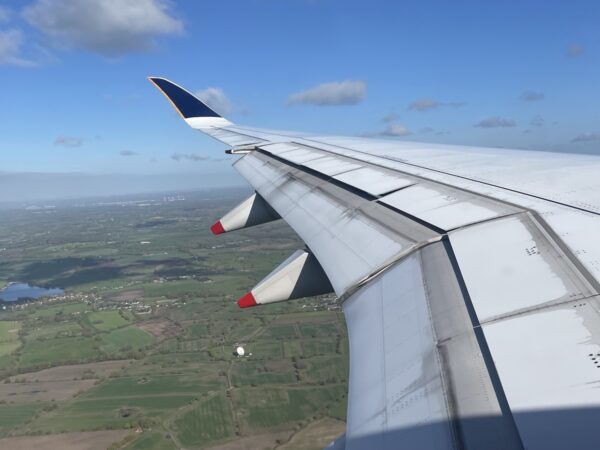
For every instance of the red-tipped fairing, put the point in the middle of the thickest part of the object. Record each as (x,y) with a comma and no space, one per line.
(246,301)
(252,211)
(298,276)
(217,228)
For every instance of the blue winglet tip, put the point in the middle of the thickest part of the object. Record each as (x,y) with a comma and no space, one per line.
(186,104)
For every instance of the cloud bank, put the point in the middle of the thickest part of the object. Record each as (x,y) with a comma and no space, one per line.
(423,104)
(216,99)
(108,27)
(395,129)
(586,137)
(69,141)
(532,96)
(350,92)
(188,156)
(426,104)
(11,43)
(496,122)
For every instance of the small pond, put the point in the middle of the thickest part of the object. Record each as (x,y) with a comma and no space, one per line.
(22,291)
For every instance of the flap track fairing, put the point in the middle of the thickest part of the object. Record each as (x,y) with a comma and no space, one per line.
(298,276)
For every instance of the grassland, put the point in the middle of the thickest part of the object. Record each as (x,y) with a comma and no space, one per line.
(54,330)
(8,348)
(9,337)
(206,422)
(143,338)
(9,331)
(45,353)
(125,339)
(12,416)
(107,320)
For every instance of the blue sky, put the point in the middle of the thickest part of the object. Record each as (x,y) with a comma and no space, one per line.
(75,97)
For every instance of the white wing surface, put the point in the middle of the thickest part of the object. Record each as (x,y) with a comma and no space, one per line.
(469,279)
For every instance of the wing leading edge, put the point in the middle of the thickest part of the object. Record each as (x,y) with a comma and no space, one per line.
(454,282)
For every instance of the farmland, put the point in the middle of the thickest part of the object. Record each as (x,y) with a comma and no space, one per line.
(138,352)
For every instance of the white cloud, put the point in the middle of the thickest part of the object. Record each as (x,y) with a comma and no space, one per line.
(586,137)
(108,27)
(127,153)
(423,104)
(395,129)
(496,122)
(216,99)
(426,104)
(189,157)
(350,92)
(69,141)
(532,96)
(11,42)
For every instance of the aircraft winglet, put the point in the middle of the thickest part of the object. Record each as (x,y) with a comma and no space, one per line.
(195,112)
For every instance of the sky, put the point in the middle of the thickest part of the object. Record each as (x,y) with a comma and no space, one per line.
(76,108)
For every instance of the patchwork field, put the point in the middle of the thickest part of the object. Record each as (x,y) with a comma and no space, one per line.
(9,331)
(95,440)
(206,422)
(42,391)
(126,339)
(107,320)
(9,337)
(139,351)
(94,370)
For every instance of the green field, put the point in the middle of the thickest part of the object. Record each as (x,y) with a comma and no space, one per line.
(276,407)
(125,339)
(309,330)
(292,349)
(316,347)
(152,385)
(57,351)
(9,331)
(332,369)
(54,330)
(13,416)
(247,373)
(107,320)
(197,330)
(156,325)
(282,331)
(9,337)
(60,312)
(7,348)
(209,421)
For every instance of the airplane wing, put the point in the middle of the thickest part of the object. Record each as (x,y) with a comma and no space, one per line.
(469,279)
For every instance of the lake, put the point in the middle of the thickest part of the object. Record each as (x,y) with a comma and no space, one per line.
(16,291)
